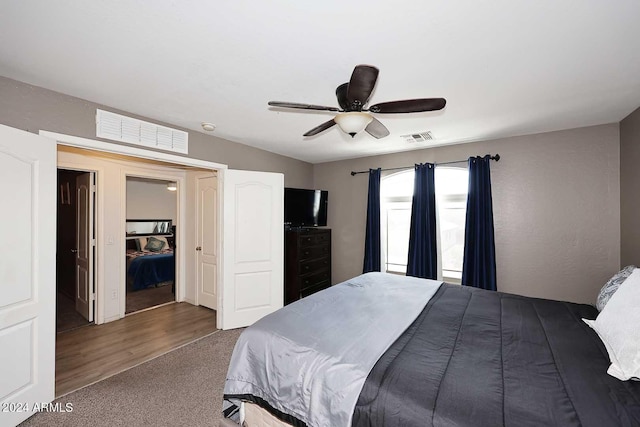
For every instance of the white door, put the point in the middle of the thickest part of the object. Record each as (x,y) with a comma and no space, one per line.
(27,274)
(206,240)
(252,246)
(84,245)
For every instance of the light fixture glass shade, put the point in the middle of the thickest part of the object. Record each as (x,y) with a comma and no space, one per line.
(172,186)
(353,122)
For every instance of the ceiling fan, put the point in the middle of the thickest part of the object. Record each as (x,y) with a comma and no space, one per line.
(353,96)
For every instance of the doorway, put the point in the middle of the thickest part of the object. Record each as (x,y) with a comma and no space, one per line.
(75,249)
(246,266)
(112,172)
(151,224)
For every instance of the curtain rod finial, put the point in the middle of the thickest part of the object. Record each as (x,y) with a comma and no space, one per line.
(496,157)
(353,173)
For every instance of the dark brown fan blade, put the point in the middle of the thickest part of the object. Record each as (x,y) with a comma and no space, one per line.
(316,130)
(361,84)
(377,129)
(341,94)
(302,106)
(409,106)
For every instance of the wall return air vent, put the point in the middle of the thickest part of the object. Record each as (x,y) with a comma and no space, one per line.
(133,131)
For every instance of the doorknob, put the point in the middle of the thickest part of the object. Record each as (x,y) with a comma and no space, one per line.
(198,248)
(75,251)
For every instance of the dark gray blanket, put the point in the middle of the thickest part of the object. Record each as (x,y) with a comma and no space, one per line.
(481,358)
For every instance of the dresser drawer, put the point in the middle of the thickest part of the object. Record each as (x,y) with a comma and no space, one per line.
(311,252)
(313,280)
(313,289)
(314,239)
(313,265)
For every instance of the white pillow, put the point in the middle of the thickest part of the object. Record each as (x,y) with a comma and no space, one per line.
(618,326)
(612,286)
(142,242)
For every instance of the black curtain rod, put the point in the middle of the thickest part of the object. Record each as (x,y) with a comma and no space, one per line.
(496,158)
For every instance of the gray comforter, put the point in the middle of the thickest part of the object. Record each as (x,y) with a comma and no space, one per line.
(476,358)
(311,358)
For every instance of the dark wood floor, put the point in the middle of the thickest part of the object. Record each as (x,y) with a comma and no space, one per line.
(67,317)
(93,353)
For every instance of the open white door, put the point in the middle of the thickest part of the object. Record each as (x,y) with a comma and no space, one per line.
(84,245)
(252,247)
(27,274)
(206,240)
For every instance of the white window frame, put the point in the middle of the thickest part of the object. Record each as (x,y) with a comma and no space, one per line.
(450,276)
(397,201)
(384,203)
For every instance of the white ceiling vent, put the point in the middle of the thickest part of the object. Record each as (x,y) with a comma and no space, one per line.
(418,137)
(133,131)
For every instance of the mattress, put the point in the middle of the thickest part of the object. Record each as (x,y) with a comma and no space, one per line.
(255,416)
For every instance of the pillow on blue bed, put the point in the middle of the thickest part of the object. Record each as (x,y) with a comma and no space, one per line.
(141,243)
(612,286)
(617,327)
(154,245)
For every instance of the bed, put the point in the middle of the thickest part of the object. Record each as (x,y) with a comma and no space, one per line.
(150,253)
(385,350)
(149,269)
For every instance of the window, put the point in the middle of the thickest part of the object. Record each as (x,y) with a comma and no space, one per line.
(396,194)
(451,193)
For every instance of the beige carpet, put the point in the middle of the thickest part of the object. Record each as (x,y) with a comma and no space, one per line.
(180,388)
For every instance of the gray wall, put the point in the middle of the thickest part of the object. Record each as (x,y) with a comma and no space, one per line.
(556,195)
(150,199)
(556,201)
(33,109)
(629,183)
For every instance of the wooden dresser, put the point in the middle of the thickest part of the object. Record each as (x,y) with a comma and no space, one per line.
(307,262)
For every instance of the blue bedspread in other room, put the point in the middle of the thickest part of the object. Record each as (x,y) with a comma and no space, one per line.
(149,270)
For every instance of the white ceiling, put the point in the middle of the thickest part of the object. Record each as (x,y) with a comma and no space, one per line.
(506,67)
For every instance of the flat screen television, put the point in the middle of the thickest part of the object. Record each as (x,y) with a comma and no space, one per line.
(305,208)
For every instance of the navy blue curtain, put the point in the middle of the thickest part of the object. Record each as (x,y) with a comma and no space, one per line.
(423,255)
(372,239)
(479,265)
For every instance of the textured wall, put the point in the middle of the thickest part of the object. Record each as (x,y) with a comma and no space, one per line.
(629,182)
(33,108)
(556,201)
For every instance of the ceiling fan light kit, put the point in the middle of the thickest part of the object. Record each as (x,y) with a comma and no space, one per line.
(353,116)
(353,122)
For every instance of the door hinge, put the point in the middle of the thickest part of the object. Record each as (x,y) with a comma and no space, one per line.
(93,242)
(93,188)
